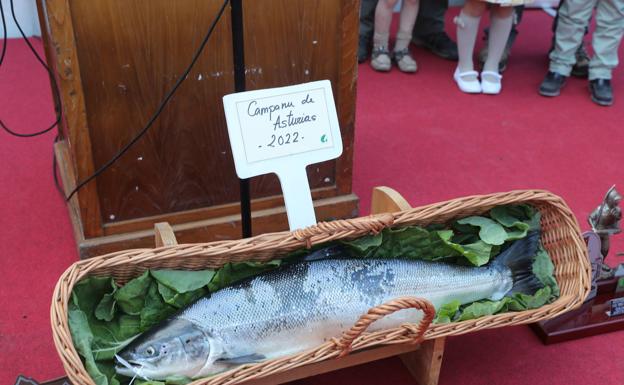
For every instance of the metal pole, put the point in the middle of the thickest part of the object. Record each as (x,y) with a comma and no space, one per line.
(239,86)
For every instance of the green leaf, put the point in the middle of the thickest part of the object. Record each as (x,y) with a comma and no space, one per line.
(105,310)
(110,337)
(482,308)
(544,269)
(155,309)
(88,293)
(131,297)
(478,253)
(231,273)
(491,232)
(180,300)
(507,216)
(183,281)
(361,246)
(83,337)
(517,229)
(447,312)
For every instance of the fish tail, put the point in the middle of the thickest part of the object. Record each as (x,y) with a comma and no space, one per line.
(519,259)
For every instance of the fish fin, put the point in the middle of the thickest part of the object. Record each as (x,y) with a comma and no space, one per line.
(247,359)
(519,259)
(335,251)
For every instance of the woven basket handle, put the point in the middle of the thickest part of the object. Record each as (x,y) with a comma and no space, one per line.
(383,310)
(372,224)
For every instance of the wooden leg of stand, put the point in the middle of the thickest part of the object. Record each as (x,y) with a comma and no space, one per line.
(424,364)
(164,235)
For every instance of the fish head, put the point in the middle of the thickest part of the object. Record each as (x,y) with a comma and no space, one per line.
(176,348)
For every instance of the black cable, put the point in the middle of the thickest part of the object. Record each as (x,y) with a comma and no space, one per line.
(41,61)
(160,108)
(4,34)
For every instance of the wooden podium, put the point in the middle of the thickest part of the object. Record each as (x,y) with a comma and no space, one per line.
(116,59)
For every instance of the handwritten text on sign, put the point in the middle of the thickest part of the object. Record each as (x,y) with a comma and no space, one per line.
(283,130)
(277,126)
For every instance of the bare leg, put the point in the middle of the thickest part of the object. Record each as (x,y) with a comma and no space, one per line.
(404,60)
(409,12)
(383,17)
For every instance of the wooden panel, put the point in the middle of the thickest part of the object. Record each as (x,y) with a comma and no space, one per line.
(115,61)
(346,92)
(59,31)
(184,161)
(217,229)
(289,42)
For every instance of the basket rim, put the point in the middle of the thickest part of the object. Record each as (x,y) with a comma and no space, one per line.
(324,232)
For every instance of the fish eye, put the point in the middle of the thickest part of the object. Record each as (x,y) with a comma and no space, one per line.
(150,351)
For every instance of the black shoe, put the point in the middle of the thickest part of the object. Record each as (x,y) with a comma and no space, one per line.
(439,43)
(581,67)
(552,84)
(601,91)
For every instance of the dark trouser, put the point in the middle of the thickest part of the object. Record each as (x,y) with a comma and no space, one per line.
(367,19)
(430,18)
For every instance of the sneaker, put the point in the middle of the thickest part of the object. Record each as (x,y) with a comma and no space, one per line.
(552,84)
(405,61)
(439,43)
(502,65)
(581,67)
(380,59)
(601,91)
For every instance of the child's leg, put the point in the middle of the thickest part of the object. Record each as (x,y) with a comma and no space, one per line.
(409,12)
(607,38)
(501,21)
(404,60)
(383,17)
(467,29)
(573,16)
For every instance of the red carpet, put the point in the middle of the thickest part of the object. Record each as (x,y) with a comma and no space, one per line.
(416,133)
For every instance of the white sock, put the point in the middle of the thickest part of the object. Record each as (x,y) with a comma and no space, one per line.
(467,29)
(500,28)
(380,39)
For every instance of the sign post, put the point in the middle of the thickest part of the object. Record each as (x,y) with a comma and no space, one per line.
(283,130)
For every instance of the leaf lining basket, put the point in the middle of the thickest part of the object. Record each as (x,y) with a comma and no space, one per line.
(560,236)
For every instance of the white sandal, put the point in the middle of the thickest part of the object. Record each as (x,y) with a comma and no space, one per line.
(467,86)
(489,87)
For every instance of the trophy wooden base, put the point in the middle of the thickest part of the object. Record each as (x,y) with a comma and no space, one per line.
(588,320)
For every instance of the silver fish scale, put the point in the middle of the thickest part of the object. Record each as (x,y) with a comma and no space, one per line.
(301,305)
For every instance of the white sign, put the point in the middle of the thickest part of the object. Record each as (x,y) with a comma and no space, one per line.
(283,130)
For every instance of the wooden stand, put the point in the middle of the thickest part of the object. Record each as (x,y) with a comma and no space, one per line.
(422,361)
(115,61)
(588,320)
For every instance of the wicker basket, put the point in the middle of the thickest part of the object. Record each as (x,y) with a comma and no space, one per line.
(560,236)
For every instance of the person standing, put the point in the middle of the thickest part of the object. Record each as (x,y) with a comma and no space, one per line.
(501,20)
(381,57)
(428,31)
(574,16)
